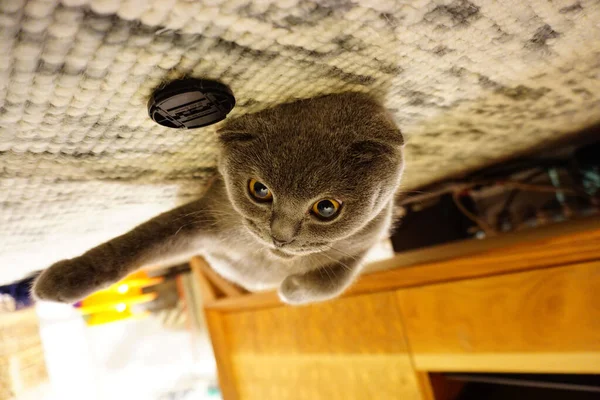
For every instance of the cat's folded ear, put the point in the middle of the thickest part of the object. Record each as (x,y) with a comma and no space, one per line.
(237,130)
(385,145)
(389,131)
(231,136)
(370,151)
(398,138)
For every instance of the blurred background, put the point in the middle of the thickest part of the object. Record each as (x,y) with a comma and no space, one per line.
(140,339)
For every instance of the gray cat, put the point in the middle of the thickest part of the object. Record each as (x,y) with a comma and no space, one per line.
(305,189)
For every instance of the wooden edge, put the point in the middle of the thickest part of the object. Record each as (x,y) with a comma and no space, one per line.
(207,291)
(536,362)
(216,330)
(251,301)
(229,289)
(435,386)
(547,253)
(464,248)
(425,386)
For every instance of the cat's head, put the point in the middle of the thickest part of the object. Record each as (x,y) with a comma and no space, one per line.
(307,174)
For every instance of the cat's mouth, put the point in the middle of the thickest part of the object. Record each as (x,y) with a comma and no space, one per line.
(298,251)
(286,252)
(282,254)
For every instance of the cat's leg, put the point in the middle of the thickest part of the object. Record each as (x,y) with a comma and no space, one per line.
(175,232)
(320,284)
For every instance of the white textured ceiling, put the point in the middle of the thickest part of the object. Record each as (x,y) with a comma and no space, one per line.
(469,82)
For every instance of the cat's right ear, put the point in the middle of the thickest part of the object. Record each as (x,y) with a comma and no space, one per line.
(231,137)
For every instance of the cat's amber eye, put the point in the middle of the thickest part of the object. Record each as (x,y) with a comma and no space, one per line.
(326,209)
(259,190)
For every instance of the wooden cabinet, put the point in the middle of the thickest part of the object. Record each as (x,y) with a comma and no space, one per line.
(300,352)
(528,307)
(545,320)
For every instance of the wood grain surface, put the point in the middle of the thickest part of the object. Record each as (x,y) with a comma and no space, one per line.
(351,348)
(544,320)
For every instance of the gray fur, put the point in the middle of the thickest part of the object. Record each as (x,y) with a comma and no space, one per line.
(342,146)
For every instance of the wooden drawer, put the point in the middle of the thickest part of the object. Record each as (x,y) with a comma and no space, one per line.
(350,348)
(540,321)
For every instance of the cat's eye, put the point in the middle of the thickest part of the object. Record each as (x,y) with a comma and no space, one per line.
(326,209)
(259,190)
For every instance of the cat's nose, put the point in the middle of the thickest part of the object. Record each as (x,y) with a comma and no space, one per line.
(283,229)
(280,242)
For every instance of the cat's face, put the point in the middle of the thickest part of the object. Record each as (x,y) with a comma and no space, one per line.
(307,174)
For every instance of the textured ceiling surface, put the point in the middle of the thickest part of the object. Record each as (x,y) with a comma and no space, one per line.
(469,82)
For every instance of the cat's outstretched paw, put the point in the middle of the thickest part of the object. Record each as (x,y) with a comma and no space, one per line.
(67,281)
(305,289)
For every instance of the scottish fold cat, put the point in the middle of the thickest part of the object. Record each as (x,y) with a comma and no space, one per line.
(304,190)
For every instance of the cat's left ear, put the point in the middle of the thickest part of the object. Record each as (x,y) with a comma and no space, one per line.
(232,136)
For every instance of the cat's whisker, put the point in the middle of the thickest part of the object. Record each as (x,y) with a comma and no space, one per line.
(344,265)
(332,271)
(211,220)
(320,272)
(216,212)
(192,213)
(343,253)
(205,223)
(212,213)
(181,227)
(325,269)
(316,261)
(213,223)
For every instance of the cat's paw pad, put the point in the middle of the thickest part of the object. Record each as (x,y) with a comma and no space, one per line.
(292,291)
(67,281)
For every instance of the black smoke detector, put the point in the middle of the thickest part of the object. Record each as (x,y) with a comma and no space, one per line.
(190,103)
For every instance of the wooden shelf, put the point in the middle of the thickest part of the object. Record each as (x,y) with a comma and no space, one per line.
(555,250)
(529,306)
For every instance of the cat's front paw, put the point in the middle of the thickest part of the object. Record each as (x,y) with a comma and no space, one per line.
(67,281)
(305,289)
(292,291)
(316,285)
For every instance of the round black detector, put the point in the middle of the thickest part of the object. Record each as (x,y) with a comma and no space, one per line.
(190,103)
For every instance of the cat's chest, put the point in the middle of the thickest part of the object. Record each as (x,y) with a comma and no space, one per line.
(246,262)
